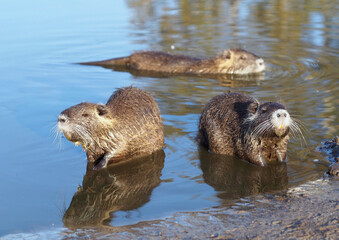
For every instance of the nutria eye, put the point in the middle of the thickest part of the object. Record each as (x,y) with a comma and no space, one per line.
(85,115)
(101,110)
(243,58)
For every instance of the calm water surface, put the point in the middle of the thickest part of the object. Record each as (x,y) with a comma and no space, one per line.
(45,183)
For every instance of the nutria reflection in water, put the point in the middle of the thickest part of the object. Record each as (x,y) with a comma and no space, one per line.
(123,186)
(233,178)
(225,80)
(231,61)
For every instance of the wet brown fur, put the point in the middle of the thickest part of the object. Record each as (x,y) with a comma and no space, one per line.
(228,62)
(128,125)
(225,128)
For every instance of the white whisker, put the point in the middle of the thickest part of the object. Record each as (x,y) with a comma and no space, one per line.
(296,128)
(261,129)
(57,135)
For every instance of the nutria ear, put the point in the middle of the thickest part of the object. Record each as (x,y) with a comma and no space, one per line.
(226,54)
(101,109)
(253,107)
(264,109)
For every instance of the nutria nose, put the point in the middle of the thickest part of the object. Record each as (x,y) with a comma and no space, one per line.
(62,118)
(281,115)
(260,61)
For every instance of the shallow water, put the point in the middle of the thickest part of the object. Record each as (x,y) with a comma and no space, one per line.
(39,44)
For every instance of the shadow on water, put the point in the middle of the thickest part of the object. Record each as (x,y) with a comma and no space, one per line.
(232,178)
(225,80)
(125,186)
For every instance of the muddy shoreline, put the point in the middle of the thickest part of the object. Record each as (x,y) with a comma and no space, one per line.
(309,211)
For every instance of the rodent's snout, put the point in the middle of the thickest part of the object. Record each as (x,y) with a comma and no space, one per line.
(281,120)
(63,125)
(260,61)
(62,118)
(281,115)
(260,64)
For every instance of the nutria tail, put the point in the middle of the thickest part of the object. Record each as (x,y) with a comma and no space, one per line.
(122,61)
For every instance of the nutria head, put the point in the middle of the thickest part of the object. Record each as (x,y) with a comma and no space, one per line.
(267,135)
(269,119)
(239,61)
(83,123)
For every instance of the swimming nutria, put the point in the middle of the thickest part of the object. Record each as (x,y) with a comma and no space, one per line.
(232,61)
(128,125)
(237,124)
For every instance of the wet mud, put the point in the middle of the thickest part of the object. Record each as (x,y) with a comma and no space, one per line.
(310,211)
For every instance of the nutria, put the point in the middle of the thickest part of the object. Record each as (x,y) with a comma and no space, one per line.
(232,61)
(237,124)
(126,186)
(128,125)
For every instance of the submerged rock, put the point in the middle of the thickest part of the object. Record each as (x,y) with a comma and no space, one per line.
(334,169)
(331,148)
